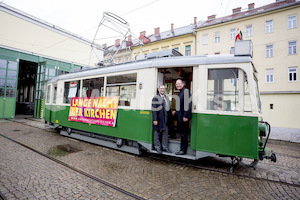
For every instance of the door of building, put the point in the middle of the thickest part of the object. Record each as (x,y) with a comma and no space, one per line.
(8,87)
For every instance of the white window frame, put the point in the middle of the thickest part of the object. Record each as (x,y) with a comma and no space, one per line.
(232,34)
(292,47)
(269,51)
(205,39)
(292,21)
(217,37)
(269,27)
(295,72)
(249,30)
(270,75)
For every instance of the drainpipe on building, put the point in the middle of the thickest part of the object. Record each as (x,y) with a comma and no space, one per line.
(194,33)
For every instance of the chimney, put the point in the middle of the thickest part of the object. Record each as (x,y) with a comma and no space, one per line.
(236,10)
(156,31)
(172,27)
(117,43)
(143,34)
(195,20)
(250,6)
(129,38)
(211,17)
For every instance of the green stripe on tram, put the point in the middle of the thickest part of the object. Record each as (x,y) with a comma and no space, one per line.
(221,134)
(131,124)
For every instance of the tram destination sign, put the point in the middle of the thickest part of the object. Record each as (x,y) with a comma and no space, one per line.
(94,110)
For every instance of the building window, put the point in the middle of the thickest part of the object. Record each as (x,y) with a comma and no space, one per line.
(205,39)
(269,51)
(269,26)
(292,21)
(217,37)
(127,59)
(293,74)
(119,60)
(292,47)
(188,50)
(269,75)
(232,34)
(249,30)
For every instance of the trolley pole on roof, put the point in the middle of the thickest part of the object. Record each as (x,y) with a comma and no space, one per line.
(120,27)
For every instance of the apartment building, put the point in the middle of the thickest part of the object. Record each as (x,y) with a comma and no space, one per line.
(275,34)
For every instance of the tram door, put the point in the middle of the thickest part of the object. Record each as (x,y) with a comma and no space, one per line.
(169,76)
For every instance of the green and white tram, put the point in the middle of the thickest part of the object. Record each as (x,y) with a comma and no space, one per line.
(226,110)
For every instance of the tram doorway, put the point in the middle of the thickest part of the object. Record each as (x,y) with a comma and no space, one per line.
(168,77)
(25,97)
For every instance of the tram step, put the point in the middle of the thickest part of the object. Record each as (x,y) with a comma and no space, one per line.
(187,156)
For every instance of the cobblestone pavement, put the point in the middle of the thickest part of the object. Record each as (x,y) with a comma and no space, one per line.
(25,172)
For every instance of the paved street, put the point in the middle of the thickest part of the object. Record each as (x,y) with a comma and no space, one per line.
(25,174)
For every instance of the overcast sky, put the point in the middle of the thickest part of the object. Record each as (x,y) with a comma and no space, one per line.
(83,17)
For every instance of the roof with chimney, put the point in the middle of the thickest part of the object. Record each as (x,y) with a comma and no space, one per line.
(237,13)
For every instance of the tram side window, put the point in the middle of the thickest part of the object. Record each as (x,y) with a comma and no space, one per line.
(71,89)
(48,94)
(247,102)
(228,90)
(222,91)
(93,87)
(55,94)
(123,86)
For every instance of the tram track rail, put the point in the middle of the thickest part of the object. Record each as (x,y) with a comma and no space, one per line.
(162,158)
(184,164)
(99,180)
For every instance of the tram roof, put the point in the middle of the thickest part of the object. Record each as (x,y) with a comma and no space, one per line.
(180,61)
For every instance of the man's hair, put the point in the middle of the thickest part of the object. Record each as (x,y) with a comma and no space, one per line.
(161,85)
(183,82)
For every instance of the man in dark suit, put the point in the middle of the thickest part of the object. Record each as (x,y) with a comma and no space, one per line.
(183,112)
(160,109)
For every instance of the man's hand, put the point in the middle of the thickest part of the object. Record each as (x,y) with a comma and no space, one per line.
(173,112)
(185,119)
(155,123)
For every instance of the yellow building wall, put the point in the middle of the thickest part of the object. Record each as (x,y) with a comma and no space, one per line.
(23,35)
(179,42)
(286,106)
(280,37)
(285,112)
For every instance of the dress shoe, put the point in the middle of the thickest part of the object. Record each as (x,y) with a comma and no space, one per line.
(159,151)
(167,150)
(180,153)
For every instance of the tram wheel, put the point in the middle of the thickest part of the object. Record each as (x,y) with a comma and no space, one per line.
(119,142)
(69,131)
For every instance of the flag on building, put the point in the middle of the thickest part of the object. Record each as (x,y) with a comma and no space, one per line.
(239,35)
